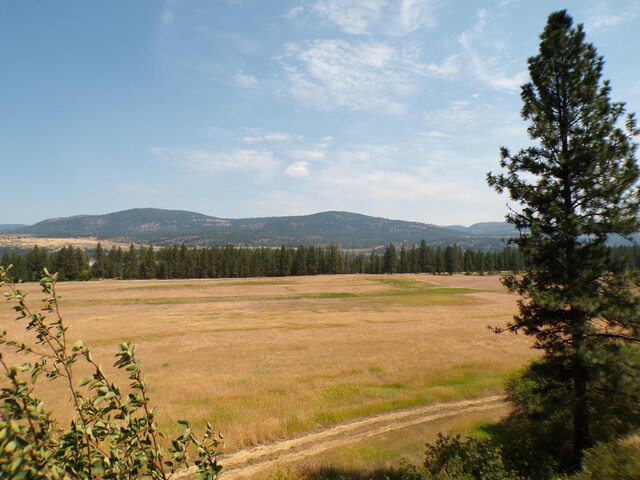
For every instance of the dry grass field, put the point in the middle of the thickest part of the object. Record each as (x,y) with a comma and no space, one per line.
(28,242)
(264,359)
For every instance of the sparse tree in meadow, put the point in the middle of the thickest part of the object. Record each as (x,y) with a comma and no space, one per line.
(573,188)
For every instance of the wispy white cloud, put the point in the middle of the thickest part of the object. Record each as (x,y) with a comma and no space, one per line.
(433,134)
(299,169)
(604,21)
(459,114)
(368,76)
(271,137)
(391,17)
(606,16)
(414,14)
(167,17)
(501,125)
(244,80)
(310,155)
(362,158)
(351,16)
(205,160)
(486,54)
(449,68)
(380,188)
(384,184)
(293,12)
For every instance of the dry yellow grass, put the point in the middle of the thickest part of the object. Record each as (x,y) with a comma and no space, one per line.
(270,358)
(385,453)
(28,241)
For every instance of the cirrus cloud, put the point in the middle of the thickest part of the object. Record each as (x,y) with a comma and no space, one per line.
(310,155)
(392,17)
(244,80)
(211,161)
(486,56)
(271,137)
(367,76)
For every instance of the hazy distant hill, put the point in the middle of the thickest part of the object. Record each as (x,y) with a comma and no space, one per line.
(349,230)
(5,228)
(488,228)
(134,223)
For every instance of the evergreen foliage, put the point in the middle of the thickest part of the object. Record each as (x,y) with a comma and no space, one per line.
(241,262)
(574,188)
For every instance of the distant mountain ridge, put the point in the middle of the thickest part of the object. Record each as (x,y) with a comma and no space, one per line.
(349,230)
(10,227)
(487,228)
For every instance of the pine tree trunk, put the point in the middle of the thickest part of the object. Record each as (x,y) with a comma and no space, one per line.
(582,439)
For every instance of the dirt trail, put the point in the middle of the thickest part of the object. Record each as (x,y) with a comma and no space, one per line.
(251,461)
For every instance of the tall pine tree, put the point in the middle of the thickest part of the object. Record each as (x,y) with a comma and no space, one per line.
(574,188)
(99,264)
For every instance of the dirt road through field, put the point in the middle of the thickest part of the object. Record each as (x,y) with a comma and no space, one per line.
(251,461)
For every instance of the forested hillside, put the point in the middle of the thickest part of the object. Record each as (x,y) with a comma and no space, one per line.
(348,230)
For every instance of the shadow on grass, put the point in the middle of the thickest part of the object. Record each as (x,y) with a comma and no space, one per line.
(332,473)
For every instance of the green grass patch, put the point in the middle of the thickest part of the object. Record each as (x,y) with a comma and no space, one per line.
(402,291)
(409,292)
(321,295)
(412,286)
(348,401)
(368,453)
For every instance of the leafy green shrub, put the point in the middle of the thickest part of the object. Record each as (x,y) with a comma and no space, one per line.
(450,458)
(619,460)
(113,434)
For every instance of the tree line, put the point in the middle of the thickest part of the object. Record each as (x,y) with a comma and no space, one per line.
(181,262)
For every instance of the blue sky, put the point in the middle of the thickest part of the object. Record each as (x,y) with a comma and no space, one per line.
(243,108)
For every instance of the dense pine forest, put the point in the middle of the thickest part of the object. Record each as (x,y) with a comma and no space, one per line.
(181,262)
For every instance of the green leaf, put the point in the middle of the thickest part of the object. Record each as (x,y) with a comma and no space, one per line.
(183,423)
